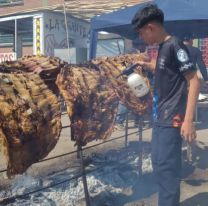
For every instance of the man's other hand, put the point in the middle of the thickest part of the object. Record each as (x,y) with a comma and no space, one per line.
(188,131)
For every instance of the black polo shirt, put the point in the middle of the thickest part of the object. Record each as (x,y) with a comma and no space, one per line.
(170,90)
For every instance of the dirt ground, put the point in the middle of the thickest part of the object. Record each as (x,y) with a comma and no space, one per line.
(194,185)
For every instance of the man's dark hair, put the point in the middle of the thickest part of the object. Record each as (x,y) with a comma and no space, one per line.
(146,15)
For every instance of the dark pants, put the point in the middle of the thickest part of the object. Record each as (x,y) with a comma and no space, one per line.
(166,160)
(121,116)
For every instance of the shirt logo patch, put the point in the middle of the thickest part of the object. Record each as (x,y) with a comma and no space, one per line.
(162,63)
(182,55)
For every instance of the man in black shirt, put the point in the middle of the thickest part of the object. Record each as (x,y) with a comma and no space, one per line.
(173,102)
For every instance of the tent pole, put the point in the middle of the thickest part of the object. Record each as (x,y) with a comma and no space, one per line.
(67,32)
(93,43)
(15,36)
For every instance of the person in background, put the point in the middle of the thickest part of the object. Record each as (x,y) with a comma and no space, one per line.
(196,57)
(122,110)
(173,104)
(121,116)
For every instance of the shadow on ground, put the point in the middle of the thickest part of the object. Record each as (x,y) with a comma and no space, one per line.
(123,164)
(136,189)
(197,200)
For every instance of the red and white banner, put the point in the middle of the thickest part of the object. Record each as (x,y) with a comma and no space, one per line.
(7,56)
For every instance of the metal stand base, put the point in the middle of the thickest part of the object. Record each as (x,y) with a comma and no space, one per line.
(140,134)
(126,129)
(84,179)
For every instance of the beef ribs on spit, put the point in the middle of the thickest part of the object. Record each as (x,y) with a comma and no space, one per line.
(30,117)
(47,67)
(111,68)
(91,103)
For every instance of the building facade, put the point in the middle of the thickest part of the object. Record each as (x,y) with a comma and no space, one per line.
(34,27)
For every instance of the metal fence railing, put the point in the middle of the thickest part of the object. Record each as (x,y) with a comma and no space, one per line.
(83,173)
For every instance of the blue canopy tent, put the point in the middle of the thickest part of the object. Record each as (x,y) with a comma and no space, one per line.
(183,18)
